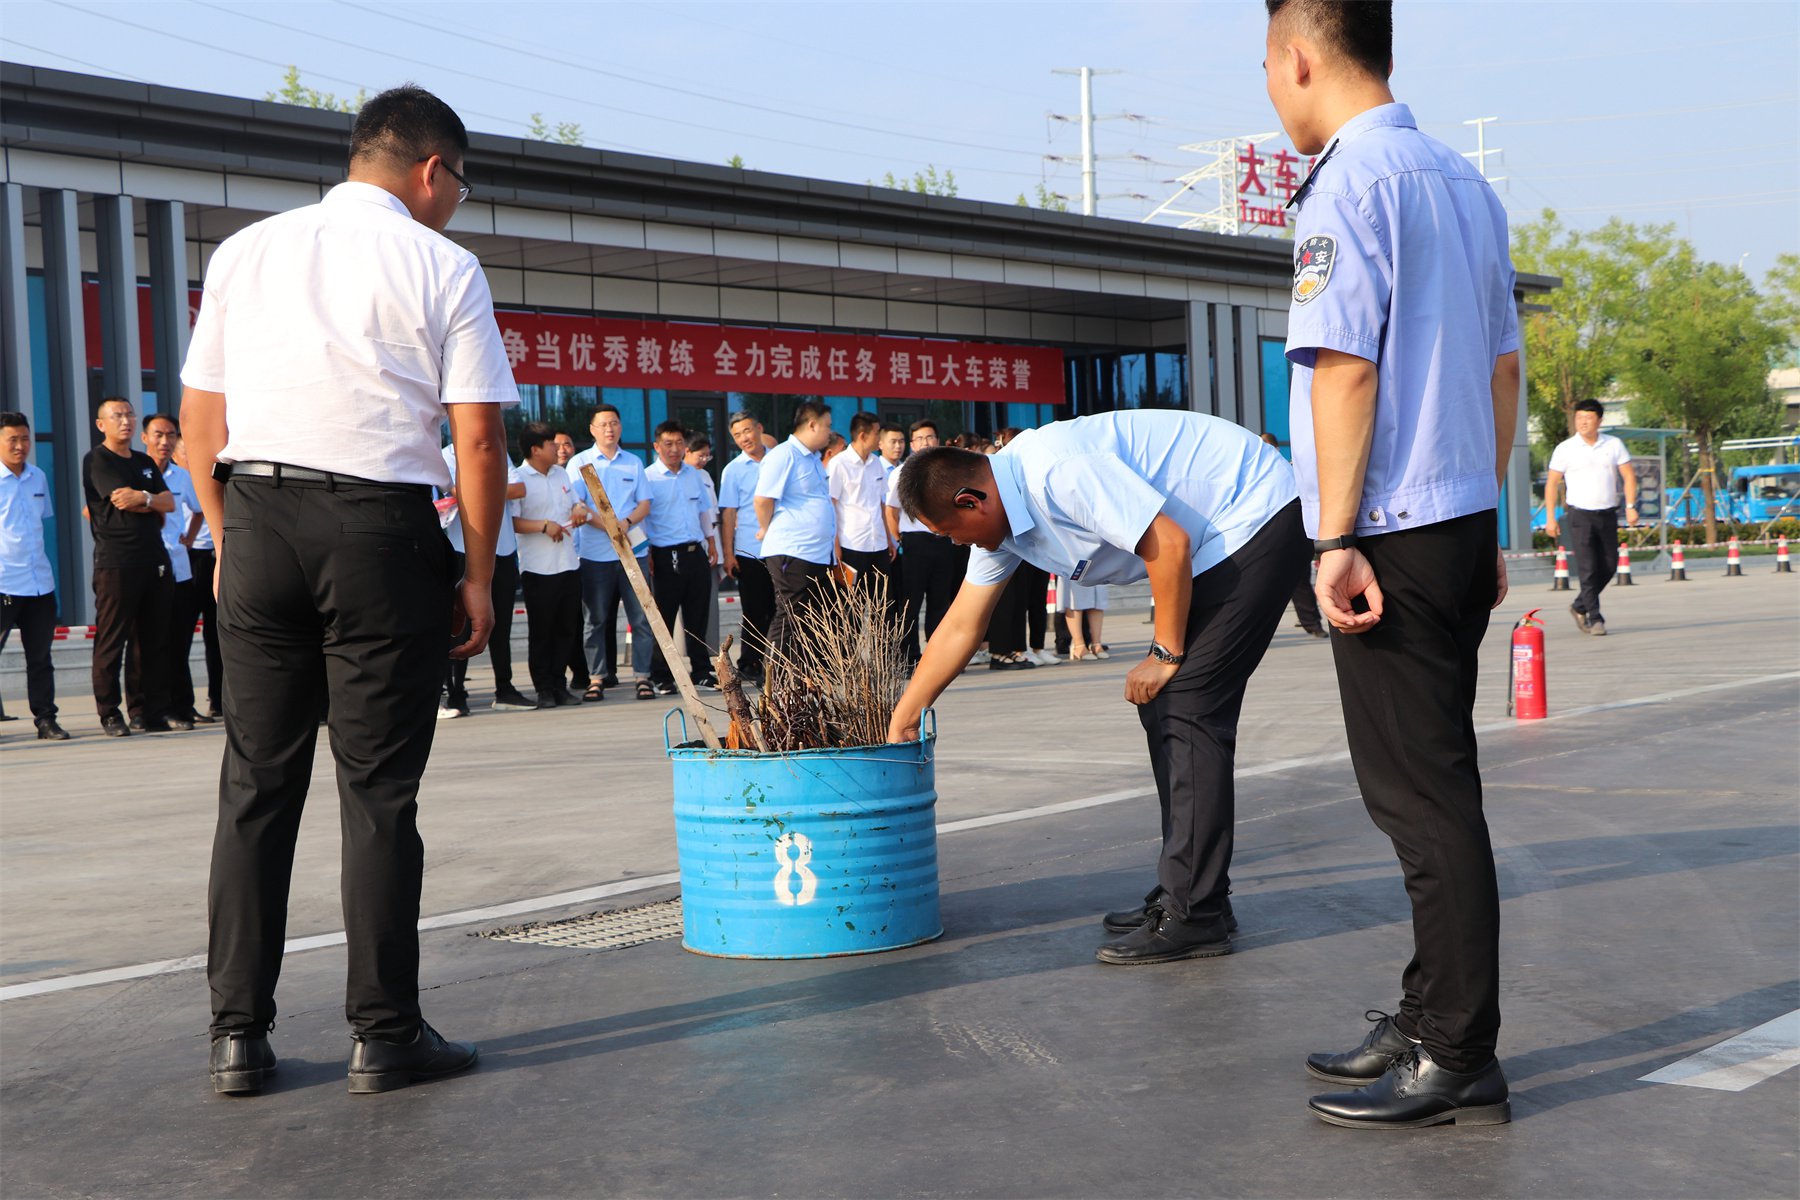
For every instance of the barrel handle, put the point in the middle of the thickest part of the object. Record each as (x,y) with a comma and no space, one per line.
(674,712)
(930,715)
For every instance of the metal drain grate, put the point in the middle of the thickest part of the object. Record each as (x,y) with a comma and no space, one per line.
(599,931)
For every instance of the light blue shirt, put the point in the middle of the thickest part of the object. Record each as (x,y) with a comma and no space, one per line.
(737,489)
(24,507)
(1079,494)
(679,505)
(508,541)
(805,524)
(622,476)
(1400,258)
(187,502)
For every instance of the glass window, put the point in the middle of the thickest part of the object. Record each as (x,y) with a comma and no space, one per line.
(1275,373)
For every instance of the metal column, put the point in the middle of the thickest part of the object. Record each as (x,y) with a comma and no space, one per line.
(1518,468)
(121,358)
(1199,348)
(73,424)
(1249,360)
(1225,364)
(167,220)
(15,307)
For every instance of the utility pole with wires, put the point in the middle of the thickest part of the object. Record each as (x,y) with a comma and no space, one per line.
(1480,154)
(1089,195)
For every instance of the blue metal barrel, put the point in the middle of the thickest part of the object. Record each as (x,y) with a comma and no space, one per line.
(807,854)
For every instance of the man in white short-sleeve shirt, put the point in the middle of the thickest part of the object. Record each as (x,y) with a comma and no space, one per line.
(1211,516)
(794,519)
(333,343)
(857,481)
(1596,468)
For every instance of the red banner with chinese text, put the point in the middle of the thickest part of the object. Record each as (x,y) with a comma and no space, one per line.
(546,348)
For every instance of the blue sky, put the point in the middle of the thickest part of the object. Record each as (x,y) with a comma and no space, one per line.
(1686,113)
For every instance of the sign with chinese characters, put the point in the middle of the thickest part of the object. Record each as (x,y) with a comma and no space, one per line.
(546,348)
(1265,184)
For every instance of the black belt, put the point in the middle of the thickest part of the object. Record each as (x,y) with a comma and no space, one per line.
(682,548)
(282,475)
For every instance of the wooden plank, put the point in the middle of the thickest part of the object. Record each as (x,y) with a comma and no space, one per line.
(678,665)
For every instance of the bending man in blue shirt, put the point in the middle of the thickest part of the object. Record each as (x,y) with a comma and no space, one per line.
(1404,340)
(1208,513)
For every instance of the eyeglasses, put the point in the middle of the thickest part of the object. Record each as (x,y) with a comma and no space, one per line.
(463,191)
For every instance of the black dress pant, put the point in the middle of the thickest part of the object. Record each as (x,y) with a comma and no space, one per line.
(339,593)
(1306,604)
(681,581)
(797,581)
(1006,627)
(756,596)
(552,624)
(505,593)
(931,571)
(1191,726)
(1594,537)
(35,619)
(1408,688)
(1034,588)
(203,562)
(875,572)
(184,610)
(131,608)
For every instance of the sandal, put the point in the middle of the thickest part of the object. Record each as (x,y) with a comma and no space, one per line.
(1077,653)
(1104,651)
(596,692)
(645,691)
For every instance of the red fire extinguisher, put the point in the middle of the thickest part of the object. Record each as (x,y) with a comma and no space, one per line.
(1526,699)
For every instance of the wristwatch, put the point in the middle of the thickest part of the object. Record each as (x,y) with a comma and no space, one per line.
(1346,542)
(1163,654)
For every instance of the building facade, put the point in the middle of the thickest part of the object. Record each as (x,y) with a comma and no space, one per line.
(670,289)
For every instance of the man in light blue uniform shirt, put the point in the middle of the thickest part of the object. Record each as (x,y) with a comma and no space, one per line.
(1404,339)
(1208,513)
(796,523)
(603,584)
(161,433)
(27,586)
(681,554)
(505,594)
(743,553)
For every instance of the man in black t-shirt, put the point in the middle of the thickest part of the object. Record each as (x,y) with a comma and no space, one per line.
(133,590)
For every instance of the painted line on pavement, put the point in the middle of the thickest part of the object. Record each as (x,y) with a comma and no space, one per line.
(1740,1062)
(471,916)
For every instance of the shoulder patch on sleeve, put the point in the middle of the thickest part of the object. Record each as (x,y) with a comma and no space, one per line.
(1313,260)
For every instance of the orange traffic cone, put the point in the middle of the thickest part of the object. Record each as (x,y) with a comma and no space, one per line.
(1782,565)
(1733,566)
(1677,566)
(1560,581)
(1623,578)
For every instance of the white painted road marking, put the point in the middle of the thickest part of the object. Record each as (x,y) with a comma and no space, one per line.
(1739,1062)
(472,916)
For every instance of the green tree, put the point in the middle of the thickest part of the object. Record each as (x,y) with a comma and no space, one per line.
(736,160)
(294,92)
(1576,349)
(1046,199)
(927,182)
(565,132)
(1697,357)
(1781,291)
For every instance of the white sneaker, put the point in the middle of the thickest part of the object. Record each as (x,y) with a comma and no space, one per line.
(1044,658)
(980,659)
(446,713)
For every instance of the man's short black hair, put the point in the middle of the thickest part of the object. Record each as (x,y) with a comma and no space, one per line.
(741,415)
(931,478)
(562,433)
(106,400)
(924,423)
(13,420)
(1361,31)
(674,427)
(153,418)
(605,408)
(405,124)
(699,442)
(887,429)
(809,410)
(1591,405)
(862,422)
(533,435)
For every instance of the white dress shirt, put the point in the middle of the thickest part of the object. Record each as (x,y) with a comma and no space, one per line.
(548,497)
(858,487)
(892,500)
(508,541)
(339,331)
(24,507)
(1591,473)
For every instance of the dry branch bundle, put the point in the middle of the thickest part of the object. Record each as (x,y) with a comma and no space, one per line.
(842,673)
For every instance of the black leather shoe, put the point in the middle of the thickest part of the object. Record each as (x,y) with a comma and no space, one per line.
(50,731)
(200,718)
(1415,1091)
(1362,1066)
(241,1063)
(135,724)
(548,700)
(184,724)
(1164,938)
(1125,920)
(568,699)
(157,726)
(113,725)
(378,1066)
